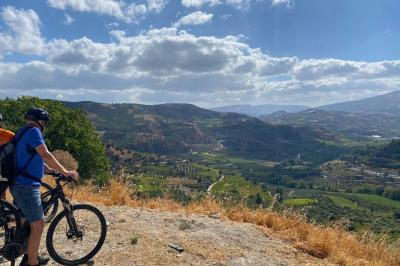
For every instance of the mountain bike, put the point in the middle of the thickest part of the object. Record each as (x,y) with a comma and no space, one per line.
(75,235)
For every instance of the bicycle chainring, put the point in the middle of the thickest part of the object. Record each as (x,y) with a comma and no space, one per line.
(11,251)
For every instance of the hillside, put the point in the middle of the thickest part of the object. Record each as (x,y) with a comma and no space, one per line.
(387,156)
(259,110)
(185,128)
(353,125)
(387,103)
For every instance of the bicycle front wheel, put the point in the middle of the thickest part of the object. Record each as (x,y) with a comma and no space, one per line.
(74,237)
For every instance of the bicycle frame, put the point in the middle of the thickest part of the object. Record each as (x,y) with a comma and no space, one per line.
(58,194)
(55,194)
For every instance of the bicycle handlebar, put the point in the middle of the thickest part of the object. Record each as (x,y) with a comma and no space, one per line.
(60,177)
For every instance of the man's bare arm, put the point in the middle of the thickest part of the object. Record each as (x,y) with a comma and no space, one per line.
(48,170)
(52,163)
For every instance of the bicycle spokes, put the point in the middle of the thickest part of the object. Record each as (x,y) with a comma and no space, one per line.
(77,234)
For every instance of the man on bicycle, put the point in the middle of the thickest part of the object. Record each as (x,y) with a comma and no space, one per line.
(32,160)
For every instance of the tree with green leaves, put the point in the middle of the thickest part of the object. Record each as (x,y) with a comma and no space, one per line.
(69,130)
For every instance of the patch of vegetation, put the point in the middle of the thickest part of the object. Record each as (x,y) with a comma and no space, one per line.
(204,171)
(134,239)
(236,188)
(378,200)
(342,202)
(299,202)
(148,187)
(383,156)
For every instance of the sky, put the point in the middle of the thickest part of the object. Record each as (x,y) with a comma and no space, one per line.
(206,52)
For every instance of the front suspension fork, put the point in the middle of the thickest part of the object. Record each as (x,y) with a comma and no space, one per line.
(73,229)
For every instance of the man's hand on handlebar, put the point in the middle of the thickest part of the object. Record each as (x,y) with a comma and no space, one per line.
(73,174)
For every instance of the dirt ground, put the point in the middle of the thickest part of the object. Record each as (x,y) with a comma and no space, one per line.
(205,241)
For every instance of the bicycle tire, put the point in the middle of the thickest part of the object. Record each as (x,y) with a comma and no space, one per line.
(51,211)
(54,254)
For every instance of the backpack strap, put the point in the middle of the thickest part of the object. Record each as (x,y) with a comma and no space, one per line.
(20,134)
(24,171)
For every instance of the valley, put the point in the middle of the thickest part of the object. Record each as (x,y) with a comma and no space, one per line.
(324,164)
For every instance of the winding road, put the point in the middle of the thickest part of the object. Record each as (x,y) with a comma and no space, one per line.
(211,186)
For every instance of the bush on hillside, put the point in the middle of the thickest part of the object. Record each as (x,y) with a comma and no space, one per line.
(66,159)
(69,130)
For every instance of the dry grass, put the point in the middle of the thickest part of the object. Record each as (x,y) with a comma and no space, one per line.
(333,243)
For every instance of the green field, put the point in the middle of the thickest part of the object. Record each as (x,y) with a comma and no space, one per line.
(378,200)
(240,184)
(148,186)
(299,202)
(223,159)
(206,171)
(342,202)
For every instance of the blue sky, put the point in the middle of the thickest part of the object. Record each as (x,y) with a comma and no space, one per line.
(206,52)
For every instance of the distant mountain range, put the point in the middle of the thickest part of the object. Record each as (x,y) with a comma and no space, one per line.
(387,103)
(185,128)
(259,110)
(378,115)
(353,125)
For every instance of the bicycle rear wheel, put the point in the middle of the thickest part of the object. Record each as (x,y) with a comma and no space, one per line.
(76,237)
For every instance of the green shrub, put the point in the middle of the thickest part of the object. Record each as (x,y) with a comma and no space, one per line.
(134,239)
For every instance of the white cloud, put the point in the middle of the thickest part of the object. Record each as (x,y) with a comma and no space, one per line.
(104,7)
(286,3)
(195,18)
(173,65)
(68,19)
(275,66)
(239,4)
(112,25)
(156,5)
(316,69)
(324,68)
(118,9)
(200,3)
(134,12)
(24,31)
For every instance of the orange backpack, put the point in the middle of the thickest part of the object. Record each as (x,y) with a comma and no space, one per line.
(5,136)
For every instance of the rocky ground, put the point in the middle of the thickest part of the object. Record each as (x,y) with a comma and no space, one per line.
(142,237)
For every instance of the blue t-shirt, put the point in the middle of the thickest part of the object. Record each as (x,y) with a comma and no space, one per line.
(24,151)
